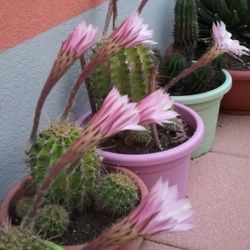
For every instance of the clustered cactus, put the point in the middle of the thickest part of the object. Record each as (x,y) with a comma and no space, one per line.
(116,193)
(186,35)
(15,240)
(234,13)
(129,70)
(71,188)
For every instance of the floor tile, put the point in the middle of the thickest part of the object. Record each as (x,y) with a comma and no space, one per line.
(149,245)
(233,135)
(219,189)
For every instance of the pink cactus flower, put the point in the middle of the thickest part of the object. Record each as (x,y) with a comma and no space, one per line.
(80,40)
(116,114)
(222,40)
(133,32)
(155,108)
(161,210)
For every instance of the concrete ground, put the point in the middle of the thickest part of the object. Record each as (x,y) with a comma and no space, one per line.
(219,189)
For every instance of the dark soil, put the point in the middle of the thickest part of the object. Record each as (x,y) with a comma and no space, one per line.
(170,137)
(83,226)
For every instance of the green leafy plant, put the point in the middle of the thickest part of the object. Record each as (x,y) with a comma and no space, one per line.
(234,13)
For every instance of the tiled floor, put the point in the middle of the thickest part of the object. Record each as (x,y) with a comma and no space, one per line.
(219,189)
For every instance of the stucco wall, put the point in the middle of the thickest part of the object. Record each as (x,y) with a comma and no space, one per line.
(24,68)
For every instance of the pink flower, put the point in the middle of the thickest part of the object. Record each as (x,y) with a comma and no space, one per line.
(223,41)
(133,32)
(115,115)
(155,108)
(80,40)
(161,210)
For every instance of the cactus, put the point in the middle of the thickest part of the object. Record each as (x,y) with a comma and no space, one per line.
(70,188)
(186,30)
(52,220)
(234,13)
(19,241)
(23,206)
(129,70)
(116,194)
(170,66)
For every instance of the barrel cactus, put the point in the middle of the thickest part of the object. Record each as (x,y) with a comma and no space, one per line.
(116,193)
(72,188)
(52,220)
(23,206)
(186,30)
(129,70)
(234,13)
(15,240)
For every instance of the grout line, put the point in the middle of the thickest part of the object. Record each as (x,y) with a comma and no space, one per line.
(229,154)
(165,244)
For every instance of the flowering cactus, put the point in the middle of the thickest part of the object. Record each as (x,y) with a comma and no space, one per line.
(155,108)
(222,43)
(77,43)
(132,32)
(115,115)
(161,210)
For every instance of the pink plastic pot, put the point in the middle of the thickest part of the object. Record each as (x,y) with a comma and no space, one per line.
(171,165)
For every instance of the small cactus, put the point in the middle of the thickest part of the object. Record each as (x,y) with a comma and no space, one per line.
(129,70)
(72,188)
(116,193)
(170,66)
(15,240)
(53,220)
(186,30)
(23,206)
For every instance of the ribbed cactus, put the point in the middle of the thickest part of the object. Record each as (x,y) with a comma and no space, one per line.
(129,70)
(72,188)
(52,220)
(170,67)
(15,240)
(116,193)
(234,13)
(186,30)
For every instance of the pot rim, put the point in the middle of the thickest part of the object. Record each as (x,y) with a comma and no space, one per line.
(209,95)
(142,160)
(240,74)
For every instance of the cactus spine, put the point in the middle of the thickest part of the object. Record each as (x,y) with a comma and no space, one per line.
(19,241)
(72,188)
(186,28)
(53,220)
(129,70)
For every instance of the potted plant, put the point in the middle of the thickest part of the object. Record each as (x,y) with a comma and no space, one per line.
(49,217)
(235,15)
(201,84)
(133,71)
(66,174)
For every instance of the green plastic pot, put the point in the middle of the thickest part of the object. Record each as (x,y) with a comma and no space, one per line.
(207,105)
(53,246)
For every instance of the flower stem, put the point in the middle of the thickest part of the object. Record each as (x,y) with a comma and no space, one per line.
(142,5)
